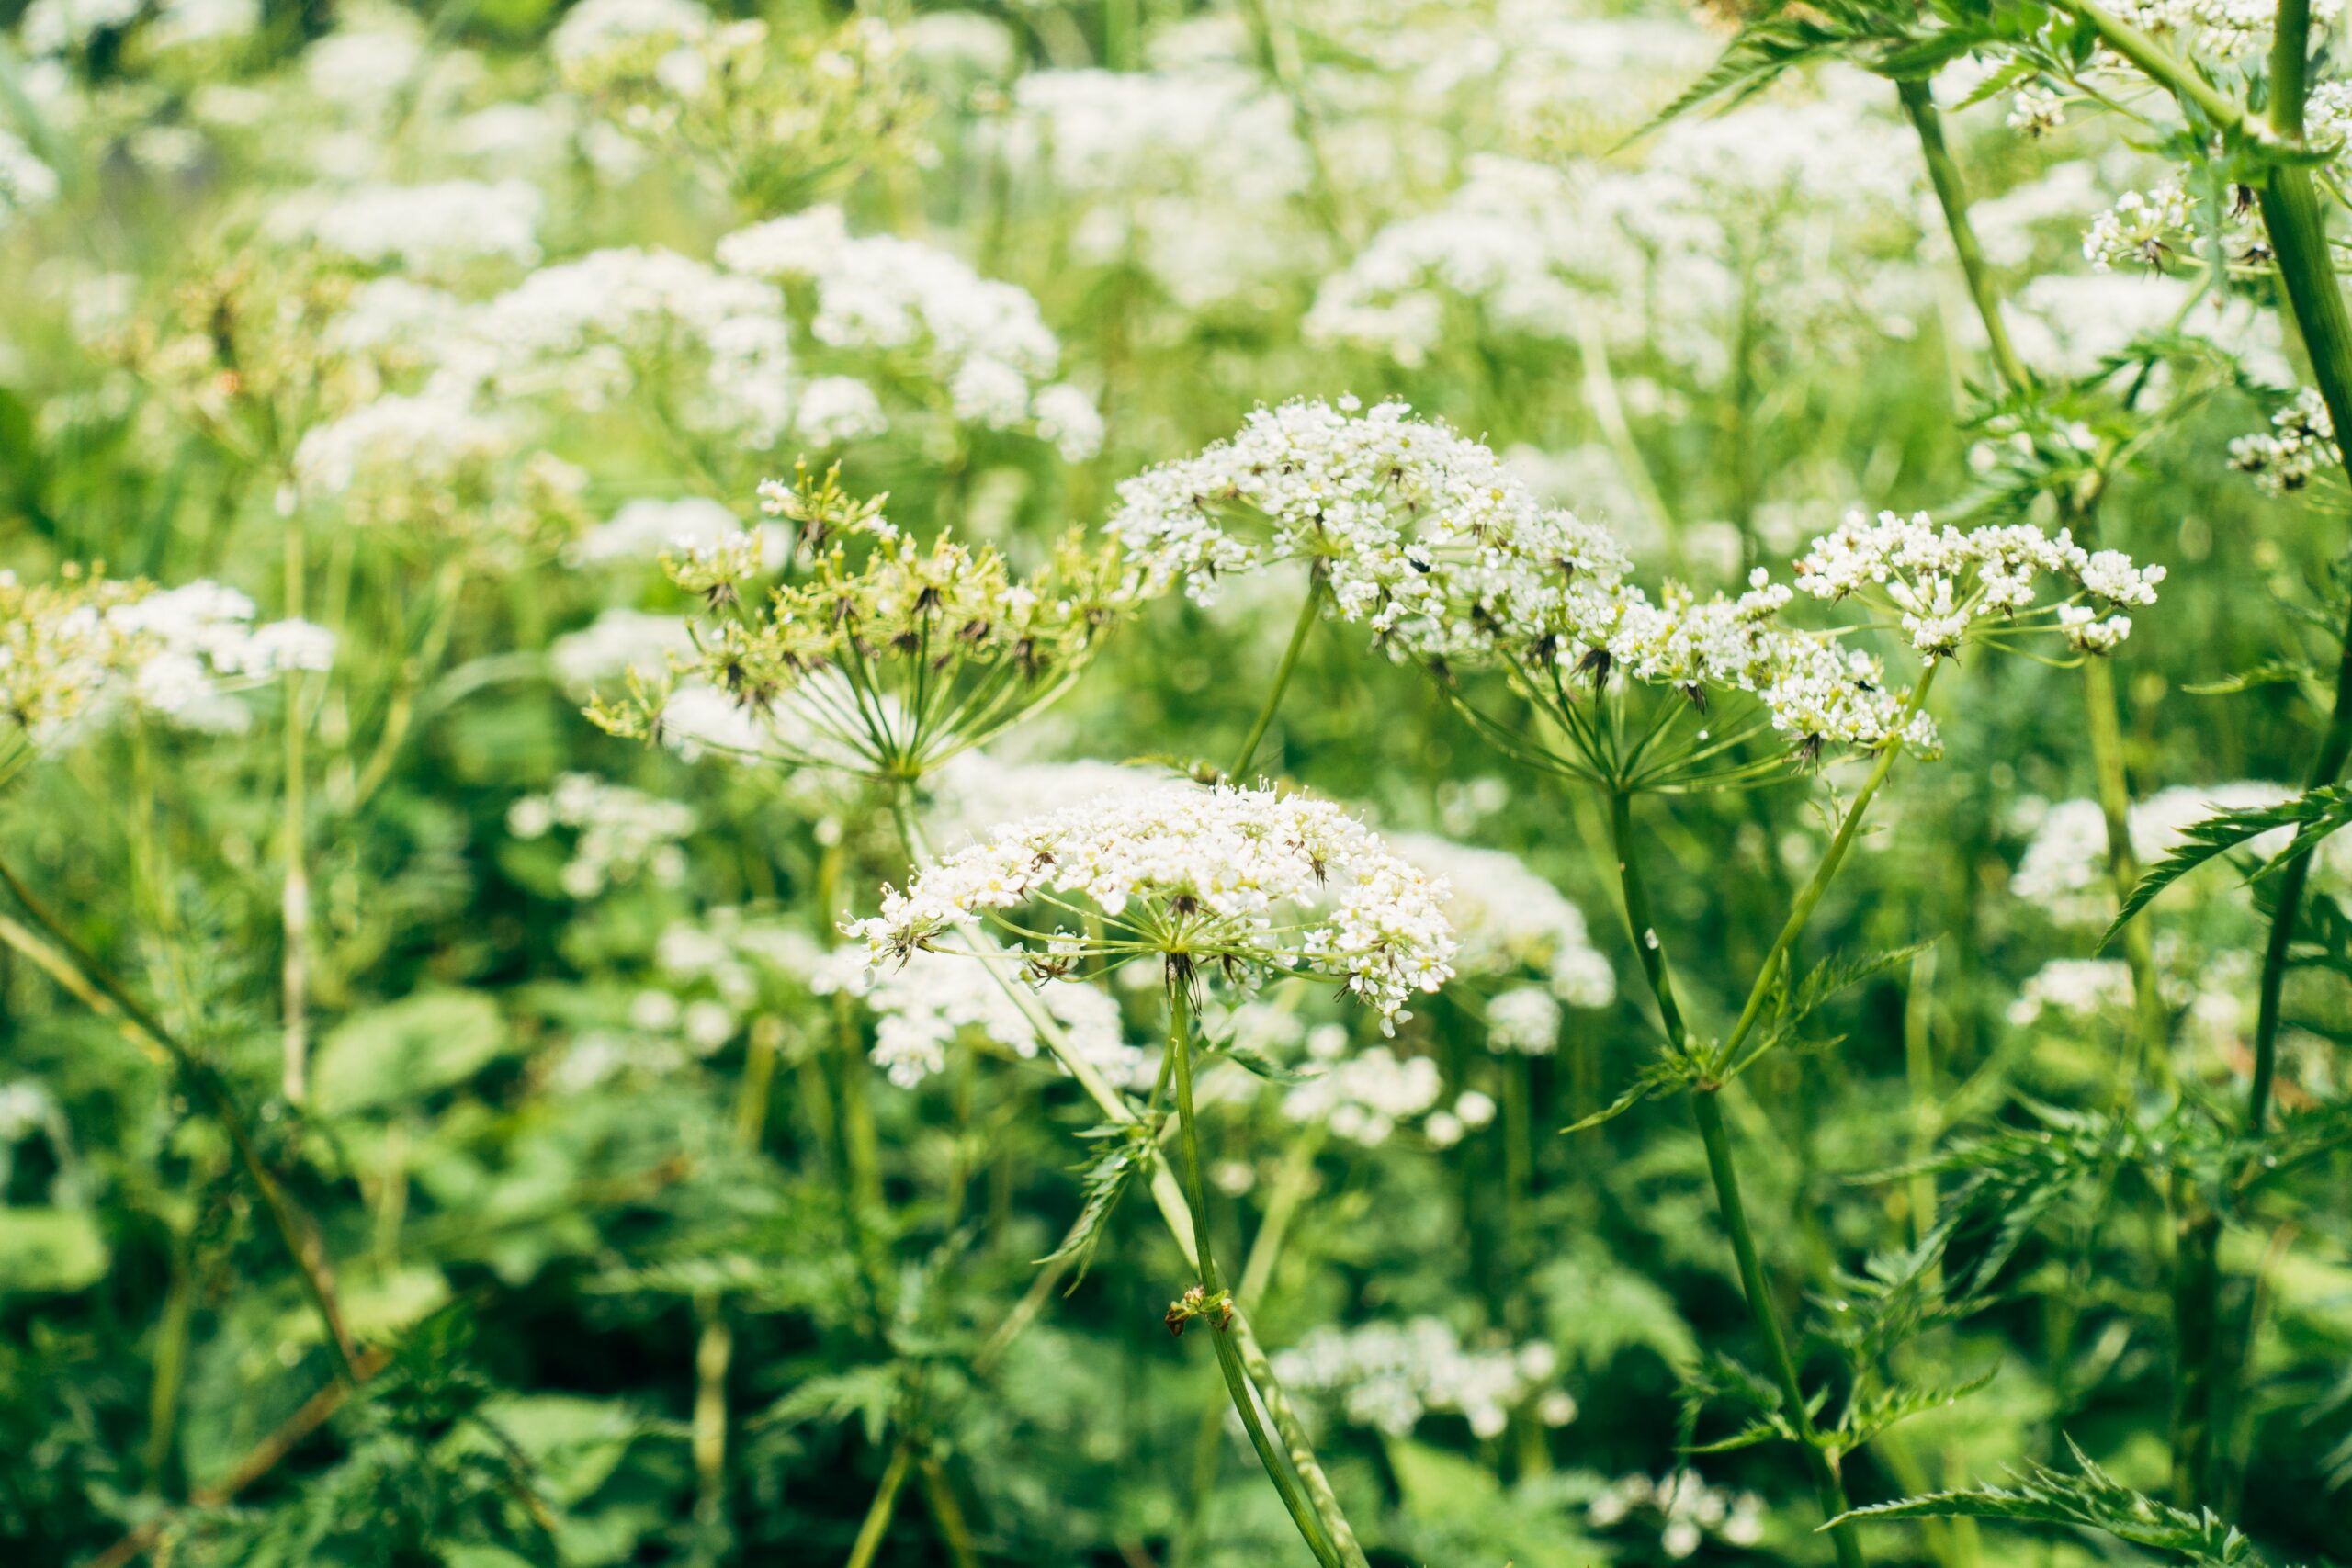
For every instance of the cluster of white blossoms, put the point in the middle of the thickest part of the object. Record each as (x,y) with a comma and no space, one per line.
(199,643)
(1524,1020)
(595,28)
(1513,241)
(79,649)
(1686,1509)
(922,1005)
(648,528)
(1366,1096)
(978,792)
(1388,1375)
(582,332)
(2223,30)
(1943,583)
(25,183)
(1415,528)
(421,228)
(1508,920)
(620,833)
(2146,230)
(2300,445)
(1239,882)
(424,462)
(985,342)
(1192,174)
(618,640)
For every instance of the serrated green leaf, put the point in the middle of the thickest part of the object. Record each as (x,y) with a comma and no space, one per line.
(1670,1072)
(2089,1498)
(2270,673)
(2315,816)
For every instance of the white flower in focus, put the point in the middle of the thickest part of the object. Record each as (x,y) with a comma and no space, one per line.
(1230,882)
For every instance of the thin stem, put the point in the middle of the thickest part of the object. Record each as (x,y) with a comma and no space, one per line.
(1952,195)
(1708,1111)
(1800,912)
(1306,616)
(1648,944)
(294,895)
(1237,1380)
(939,1495)
(714,1351)
(2167,69)
(2149,1013)
(309,1261)
(877,1513)
(1167,1197)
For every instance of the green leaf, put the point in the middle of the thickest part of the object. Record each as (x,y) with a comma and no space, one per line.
(1130,1147)
(1670,1072)
(1436,1486)
(2091,1498)
(406,1050)
(50,1251)
(1252,1059)
(1837,972)
(1866,1417)
(2270,673)
(2314,816)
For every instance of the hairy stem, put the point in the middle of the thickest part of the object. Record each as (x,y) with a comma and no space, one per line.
(1952,195)
(1707,1109)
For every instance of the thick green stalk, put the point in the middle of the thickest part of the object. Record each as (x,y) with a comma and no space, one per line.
(1826,1486)
(1217,1319)
(1306,616)
(310,1260)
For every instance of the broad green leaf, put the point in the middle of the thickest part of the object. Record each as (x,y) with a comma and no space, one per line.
(1437,1485)
(406,1050)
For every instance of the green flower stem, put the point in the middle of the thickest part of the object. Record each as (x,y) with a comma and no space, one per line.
(1647,945)
(1167,1197)
(2170,70)
(2154,1029)
(294,891)
(1236,1379)
(877,1513)
(1800,912)
(1283,671)
(1952,195)
(1708,1111)
(301,1243)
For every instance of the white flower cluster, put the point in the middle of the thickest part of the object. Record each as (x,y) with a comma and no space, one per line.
(1191,173)
(1231,879)
(421,228)
(621,832)
(921,1006)
(1507,919)
(976,792)
(596,28)
(617,640)
(985,342)
(2219,30)
(1387,1376)
(1448,557)
(2035,111)
(2143,230)
(26,181)
(1513,241)
(1524,1020)
(1686,1509)
(199,643)
(580,330)
(1942,581)
(648,528)
(2300,443)
(405,461)
(1416,527)
(1366,1096)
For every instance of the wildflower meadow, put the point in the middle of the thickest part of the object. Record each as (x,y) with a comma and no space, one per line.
(1175,784)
